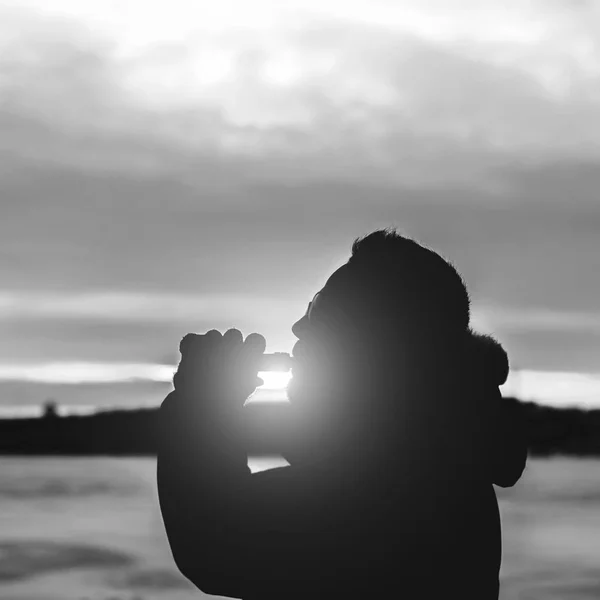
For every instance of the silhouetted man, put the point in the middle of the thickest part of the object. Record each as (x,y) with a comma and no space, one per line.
(397,432)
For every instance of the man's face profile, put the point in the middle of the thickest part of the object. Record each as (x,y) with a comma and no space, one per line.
(328,344)
(330,392)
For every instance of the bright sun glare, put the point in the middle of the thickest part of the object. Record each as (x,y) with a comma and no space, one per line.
(274,380)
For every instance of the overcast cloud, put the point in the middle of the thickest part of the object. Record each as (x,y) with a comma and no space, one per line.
(182,167)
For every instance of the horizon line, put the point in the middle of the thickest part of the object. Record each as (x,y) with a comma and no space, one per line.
(548,387)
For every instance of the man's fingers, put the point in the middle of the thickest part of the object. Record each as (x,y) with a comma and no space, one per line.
(255,344)
(223,365)
(193,344)
(230,346)
(213,336)
(202,346)
(186,343)
(232,337)
(252,351)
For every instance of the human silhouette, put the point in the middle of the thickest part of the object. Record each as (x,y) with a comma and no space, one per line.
(397,433)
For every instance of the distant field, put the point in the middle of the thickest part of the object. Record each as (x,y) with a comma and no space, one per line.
(90,528)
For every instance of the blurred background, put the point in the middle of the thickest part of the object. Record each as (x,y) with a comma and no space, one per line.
(168,167)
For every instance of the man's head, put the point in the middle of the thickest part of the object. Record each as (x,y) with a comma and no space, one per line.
(390,287)
(393,300)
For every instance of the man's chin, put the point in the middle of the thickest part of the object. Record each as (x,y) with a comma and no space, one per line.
(314,384)
(298,394)
(301,389)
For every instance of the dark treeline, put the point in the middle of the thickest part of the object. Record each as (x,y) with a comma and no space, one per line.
(568,431)
(551,431)
(119,432)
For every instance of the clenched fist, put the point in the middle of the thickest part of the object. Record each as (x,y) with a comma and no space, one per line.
(220,370)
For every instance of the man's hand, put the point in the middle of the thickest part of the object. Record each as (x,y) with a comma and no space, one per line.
(220,370)
(202,462)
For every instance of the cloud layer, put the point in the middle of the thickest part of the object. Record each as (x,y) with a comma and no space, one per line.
(185,166)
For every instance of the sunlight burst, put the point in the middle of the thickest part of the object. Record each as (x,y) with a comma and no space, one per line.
(274,380)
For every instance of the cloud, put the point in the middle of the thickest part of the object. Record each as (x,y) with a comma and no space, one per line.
(114,333)
(77,373)
(556,388)
(126,272)
(539,319)
(128,306)
(134,386)
(420,86)
(128,394)
(146,189)
(572,351)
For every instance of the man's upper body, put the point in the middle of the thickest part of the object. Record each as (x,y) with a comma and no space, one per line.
(390,490)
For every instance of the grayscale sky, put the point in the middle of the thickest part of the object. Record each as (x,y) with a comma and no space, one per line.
(179,166)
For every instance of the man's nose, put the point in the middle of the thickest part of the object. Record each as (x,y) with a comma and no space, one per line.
(300,327)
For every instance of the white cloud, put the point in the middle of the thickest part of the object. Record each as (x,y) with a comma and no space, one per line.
(452,78)
(96,372)
(555,388)
(139,140)
(536,319)
(78,373)
(132,307)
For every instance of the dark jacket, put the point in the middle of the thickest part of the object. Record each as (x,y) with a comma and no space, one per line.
(423,523)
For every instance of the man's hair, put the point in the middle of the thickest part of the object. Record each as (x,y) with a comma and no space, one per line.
(412,277)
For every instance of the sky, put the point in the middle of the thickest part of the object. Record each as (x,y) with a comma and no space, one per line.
(168,167)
